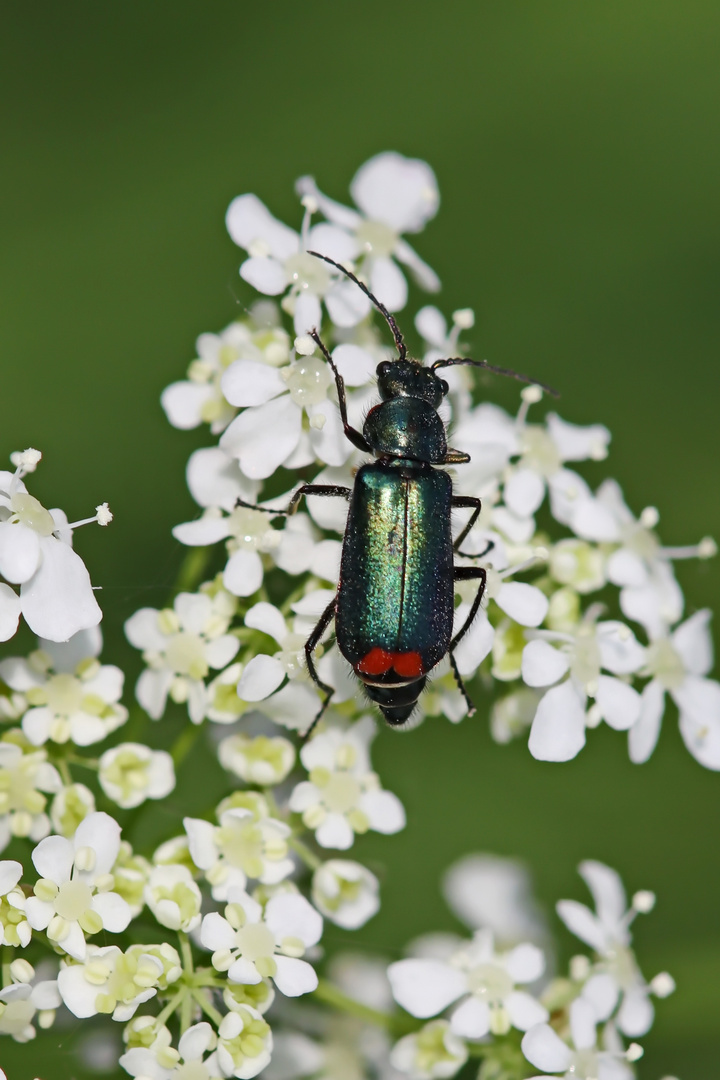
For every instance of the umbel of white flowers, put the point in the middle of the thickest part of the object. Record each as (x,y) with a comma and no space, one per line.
(206,948)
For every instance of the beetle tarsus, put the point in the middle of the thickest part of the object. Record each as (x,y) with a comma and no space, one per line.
(310,645)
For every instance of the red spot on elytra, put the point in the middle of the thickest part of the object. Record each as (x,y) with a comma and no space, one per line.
(378,661)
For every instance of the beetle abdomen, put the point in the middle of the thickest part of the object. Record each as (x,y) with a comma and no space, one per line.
(395,598)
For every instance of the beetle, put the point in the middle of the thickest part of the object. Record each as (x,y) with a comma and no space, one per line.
(394,604)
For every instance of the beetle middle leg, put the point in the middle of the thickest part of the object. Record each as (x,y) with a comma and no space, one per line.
(310,645)
(327,491)
(467,573)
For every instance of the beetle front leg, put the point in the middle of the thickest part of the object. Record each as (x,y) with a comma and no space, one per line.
(323,490)
(310,645)
(355,437)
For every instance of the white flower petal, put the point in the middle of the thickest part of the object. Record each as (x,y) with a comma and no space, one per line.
(291,915)
(266,275)
(702,736)
(308,313)
(100,832)
(152,689)
(214,479)
(422,274)
(567,491)
(356,365)
(332,241)
(183,403)
(266,617)
(693,641)
(113,910)
(643,735)
(77,993)
(525,963)
(582,1024)
(248,382)
(636,1013)
(346,304)
(524,492)
(401,192)
(294,977)
(524,1010)
(53,858)
(582,923)
(263,438)
(243,574)
(10,608)
(261,677)
(558,730)
(425,987)
(546,1050)
(523,603)
(477,642)
(577,443)
(542,664)
(602,992)
(143,631)
(19,552)
(384,810)
(388,283)
(201,842)
(329,442)
(216,933)
(699,699)
(471,1019)
(626,568)
(58,600)
(619,704)
(206,530)
(620,651)
(335,832)
(196,1041)
(248,220)
(607,890)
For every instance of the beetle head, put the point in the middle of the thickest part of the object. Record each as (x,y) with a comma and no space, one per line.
(406,378)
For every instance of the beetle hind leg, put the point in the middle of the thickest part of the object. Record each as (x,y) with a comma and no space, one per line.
(310,645)
(461,686)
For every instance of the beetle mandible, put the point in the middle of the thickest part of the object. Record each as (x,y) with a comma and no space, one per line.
(394,604)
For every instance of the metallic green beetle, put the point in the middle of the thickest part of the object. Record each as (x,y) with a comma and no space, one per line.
(394,604)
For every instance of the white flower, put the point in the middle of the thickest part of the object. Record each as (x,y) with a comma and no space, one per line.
(641,566)
(252,944)
(558,730)
(189,1062)
(131,773)
(70,806)
(395,195)
(678,663)
(20,1002)
(279,262)
(173,897)
(261,759)
(270,431)
(244,1043)
(180,646)
(72,697)
(56,596)
(544,1048)
(244,845)
(494,892)
(14,928)
(343,796)
(24,776)
(608,932)
(433,1052)
(111,981)
(424,987)
(73,897)
(199,399)
(346,892)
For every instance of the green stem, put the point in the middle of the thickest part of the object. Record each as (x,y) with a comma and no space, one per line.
(64,770)
(308,857)
(184,743)
(186,953)
(207,1008)
(173,1004)
(192,569)
(84,762)
(331,995)
(186,1013)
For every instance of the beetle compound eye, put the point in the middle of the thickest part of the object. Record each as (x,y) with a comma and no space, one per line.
(444,388)
(383,369)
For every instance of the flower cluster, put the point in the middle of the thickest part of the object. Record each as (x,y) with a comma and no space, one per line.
(206,946)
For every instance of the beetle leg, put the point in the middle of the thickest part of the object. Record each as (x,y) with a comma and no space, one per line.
(355,437)
(461,686)
(324,490)
(310,645)
(467,573)
(462,501)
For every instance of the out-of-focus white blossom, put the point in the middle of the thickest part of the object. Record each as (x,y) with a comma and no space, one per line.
(346,892)
(131,773)
(26,777)
(432,1053)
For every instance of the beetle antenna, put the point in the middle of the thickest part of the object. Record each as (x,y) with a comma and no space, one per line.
(497,370)
(399,342)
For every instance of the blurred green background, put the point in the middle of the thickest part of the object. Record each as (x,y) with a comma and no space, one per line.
(576,147)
